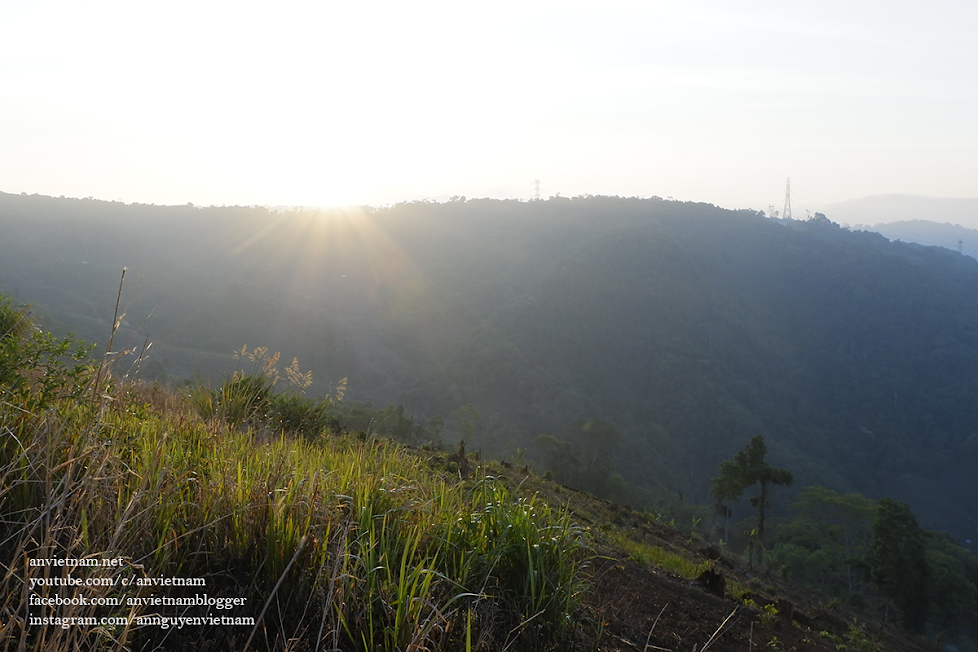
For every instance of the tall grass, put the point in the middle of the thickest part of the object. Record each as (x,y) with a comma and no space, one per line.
(238,400)
(336,544)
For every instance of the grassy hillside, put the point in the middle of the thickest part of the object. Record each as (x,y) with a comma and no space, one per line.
(346,543)
(315,539)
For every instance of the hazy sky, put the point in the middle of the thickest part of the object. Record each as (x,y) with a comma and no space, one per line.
(315,103)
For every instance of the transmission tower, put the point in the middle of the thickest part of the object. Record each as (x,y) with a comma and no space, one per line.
(536,190)
(786,213)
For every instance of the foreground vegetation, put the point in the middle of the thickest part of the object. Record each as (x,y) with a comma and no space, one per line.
(303,535)
(335,542)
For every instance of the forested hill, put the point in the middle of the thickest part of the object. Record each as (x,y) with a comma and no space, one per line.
(690,327)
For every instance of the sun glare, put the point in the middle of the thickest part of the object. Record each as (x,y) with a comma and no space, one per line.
(341,250)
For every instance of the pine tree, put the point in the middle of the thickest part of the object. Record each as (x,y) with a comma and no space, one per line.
(748,468)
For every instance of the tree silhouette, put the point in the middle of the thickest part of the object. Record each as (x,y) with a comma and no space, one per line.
(748,468)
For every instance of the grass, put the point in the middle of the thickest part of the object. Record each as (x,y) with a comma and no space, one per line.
(335,542)
(651,555)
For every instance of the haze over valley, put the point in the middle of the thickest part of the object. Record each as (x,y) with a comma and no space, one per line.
(495,326)
(690,327)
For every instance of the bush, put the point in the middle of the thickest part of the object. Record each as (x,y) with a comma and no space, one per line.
(298,415)
(37,368)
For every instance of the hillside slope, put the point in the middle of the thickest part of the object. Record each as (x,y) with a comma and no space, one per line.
(689,327)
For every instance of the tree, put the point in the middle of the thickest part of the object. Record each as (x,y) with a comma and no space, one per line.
(897,561)
(560,458)
(435,425)
(585,459)
(748,468)
(824,545)
(467,420)
(597,440)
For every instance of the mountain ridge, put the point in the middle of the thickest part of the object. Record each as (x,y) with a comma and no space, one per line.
(688,326)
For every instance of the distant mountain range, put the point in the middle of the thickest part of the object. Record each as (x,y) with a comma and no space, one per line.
(929,221)
(878,209)
(932,234)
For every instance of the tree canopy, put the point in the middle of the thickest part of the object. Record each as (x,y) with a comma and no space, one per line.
(897,561)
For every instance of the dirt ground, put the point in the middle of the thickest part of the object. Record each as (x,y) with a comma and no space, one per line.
(644,609)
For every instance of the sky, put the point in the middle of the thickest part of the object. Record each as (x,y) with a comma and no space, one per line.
(339,103)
